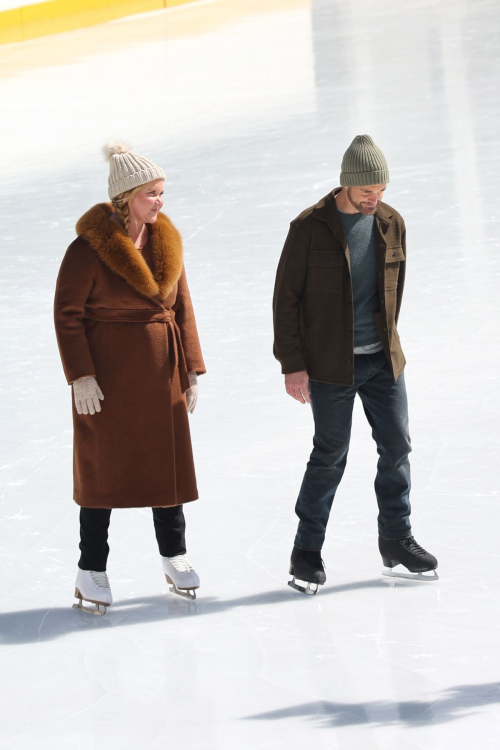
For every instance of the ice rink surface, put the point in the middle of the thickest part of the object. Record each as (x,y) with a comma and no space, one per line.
(249,107)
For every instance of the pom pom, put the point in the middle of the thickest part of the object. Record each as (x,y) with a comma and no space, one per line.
(115,147)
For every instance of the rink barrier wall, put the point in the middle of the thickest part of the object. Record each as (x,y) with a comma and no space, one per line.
(54,16)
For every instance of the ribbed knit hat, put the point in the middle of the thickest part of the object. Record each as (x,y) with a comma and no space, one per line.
(363,164)
(127,169)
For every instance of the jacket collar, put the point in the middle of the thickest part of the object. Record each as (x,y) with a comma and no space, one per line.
(326,210)
(117,251)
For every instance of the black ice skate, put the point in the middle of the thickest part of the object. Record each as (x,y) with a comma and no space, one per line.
(307,566)
(420,565)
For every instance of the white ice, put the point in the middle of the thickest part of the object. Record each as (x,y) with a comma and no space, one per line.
(249,105)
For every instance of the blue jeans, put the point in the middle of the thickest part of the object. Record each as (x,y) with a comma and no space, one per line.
(386,408)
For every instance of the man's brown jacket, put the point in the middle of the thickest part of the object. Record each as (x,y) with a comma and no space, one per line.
(312,305)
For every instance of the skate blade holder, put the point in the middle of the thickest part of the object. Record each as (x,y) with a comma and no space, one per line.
(305,589)
(90,610)
(390,572)
(186,593)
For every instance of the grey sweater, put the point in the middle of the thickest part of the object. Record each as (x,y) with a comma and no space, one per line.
(360,234)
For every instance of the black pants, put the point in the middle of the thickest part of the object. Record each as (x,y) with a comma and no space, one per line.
(170,529)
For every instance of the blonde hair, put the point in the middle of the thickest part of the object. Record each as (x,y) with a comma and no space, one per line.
(121,204)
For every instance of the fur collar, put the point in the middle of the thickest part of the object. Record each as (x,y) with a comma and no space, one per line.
(115,248)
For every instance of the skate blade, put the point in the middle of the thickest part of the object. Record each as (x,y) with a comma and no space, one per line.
(427,575)
(186,593)
(91,610)
(304,589)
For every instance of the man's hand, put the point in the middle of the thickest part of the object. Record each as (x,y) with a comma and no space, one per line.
(297,386)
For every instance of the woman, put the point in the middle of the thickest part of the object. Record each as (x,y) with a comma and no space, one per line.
(127,337)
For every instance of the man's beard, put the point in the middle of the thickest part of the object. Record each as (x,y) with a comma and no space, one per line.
(363,208)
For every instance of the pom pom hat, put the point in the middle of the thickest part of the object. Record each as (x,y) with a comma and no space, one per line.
(127,169)
(363,164)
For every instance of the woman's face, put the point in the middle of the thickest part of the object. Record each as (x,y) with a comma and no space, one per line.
(147,202)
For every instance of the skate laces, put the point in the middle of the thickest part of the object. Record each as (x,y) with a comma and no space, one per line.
(181,563)
(412,546)
(100,579)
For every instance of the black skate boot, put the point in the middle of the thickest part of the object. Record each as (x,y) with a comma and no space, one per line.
(307,566)
(411,555)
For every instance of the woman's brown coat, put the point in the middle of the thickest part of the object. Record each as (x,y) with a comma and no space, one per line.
(126,318)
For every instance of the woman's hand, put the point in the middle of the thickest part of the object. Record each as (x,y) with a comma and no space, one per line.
(87,394)
(192,392)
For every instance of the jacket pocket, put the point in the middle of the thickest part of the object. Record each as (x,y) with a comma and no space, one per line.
(393,258)
(325,271)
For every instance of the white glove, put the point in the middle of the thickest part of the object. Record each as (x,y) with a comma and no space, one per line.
(192,392)
(87,394)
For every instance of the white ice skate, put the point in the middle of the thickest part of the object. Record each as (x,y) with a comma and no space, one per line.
(181,574)
(93,586)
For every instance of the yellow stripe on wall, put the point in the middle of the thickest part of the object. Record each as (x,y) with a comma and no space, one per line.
(54,16)
(11,27)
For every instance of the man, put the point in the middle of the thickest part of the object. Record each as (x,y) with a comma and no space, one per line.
(336,303)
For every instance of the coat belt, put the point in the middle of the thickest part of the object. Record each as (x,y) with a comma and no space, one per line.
(166,315)
(105,315)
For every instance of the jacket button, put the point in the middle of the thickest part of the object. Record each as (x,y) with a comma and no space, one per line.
(393,255)
(349,333)
(348,361)
(324,260)
(348,304)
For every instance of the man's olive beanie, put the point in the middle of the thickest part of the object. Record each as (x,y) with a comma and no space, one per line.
(363,164)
